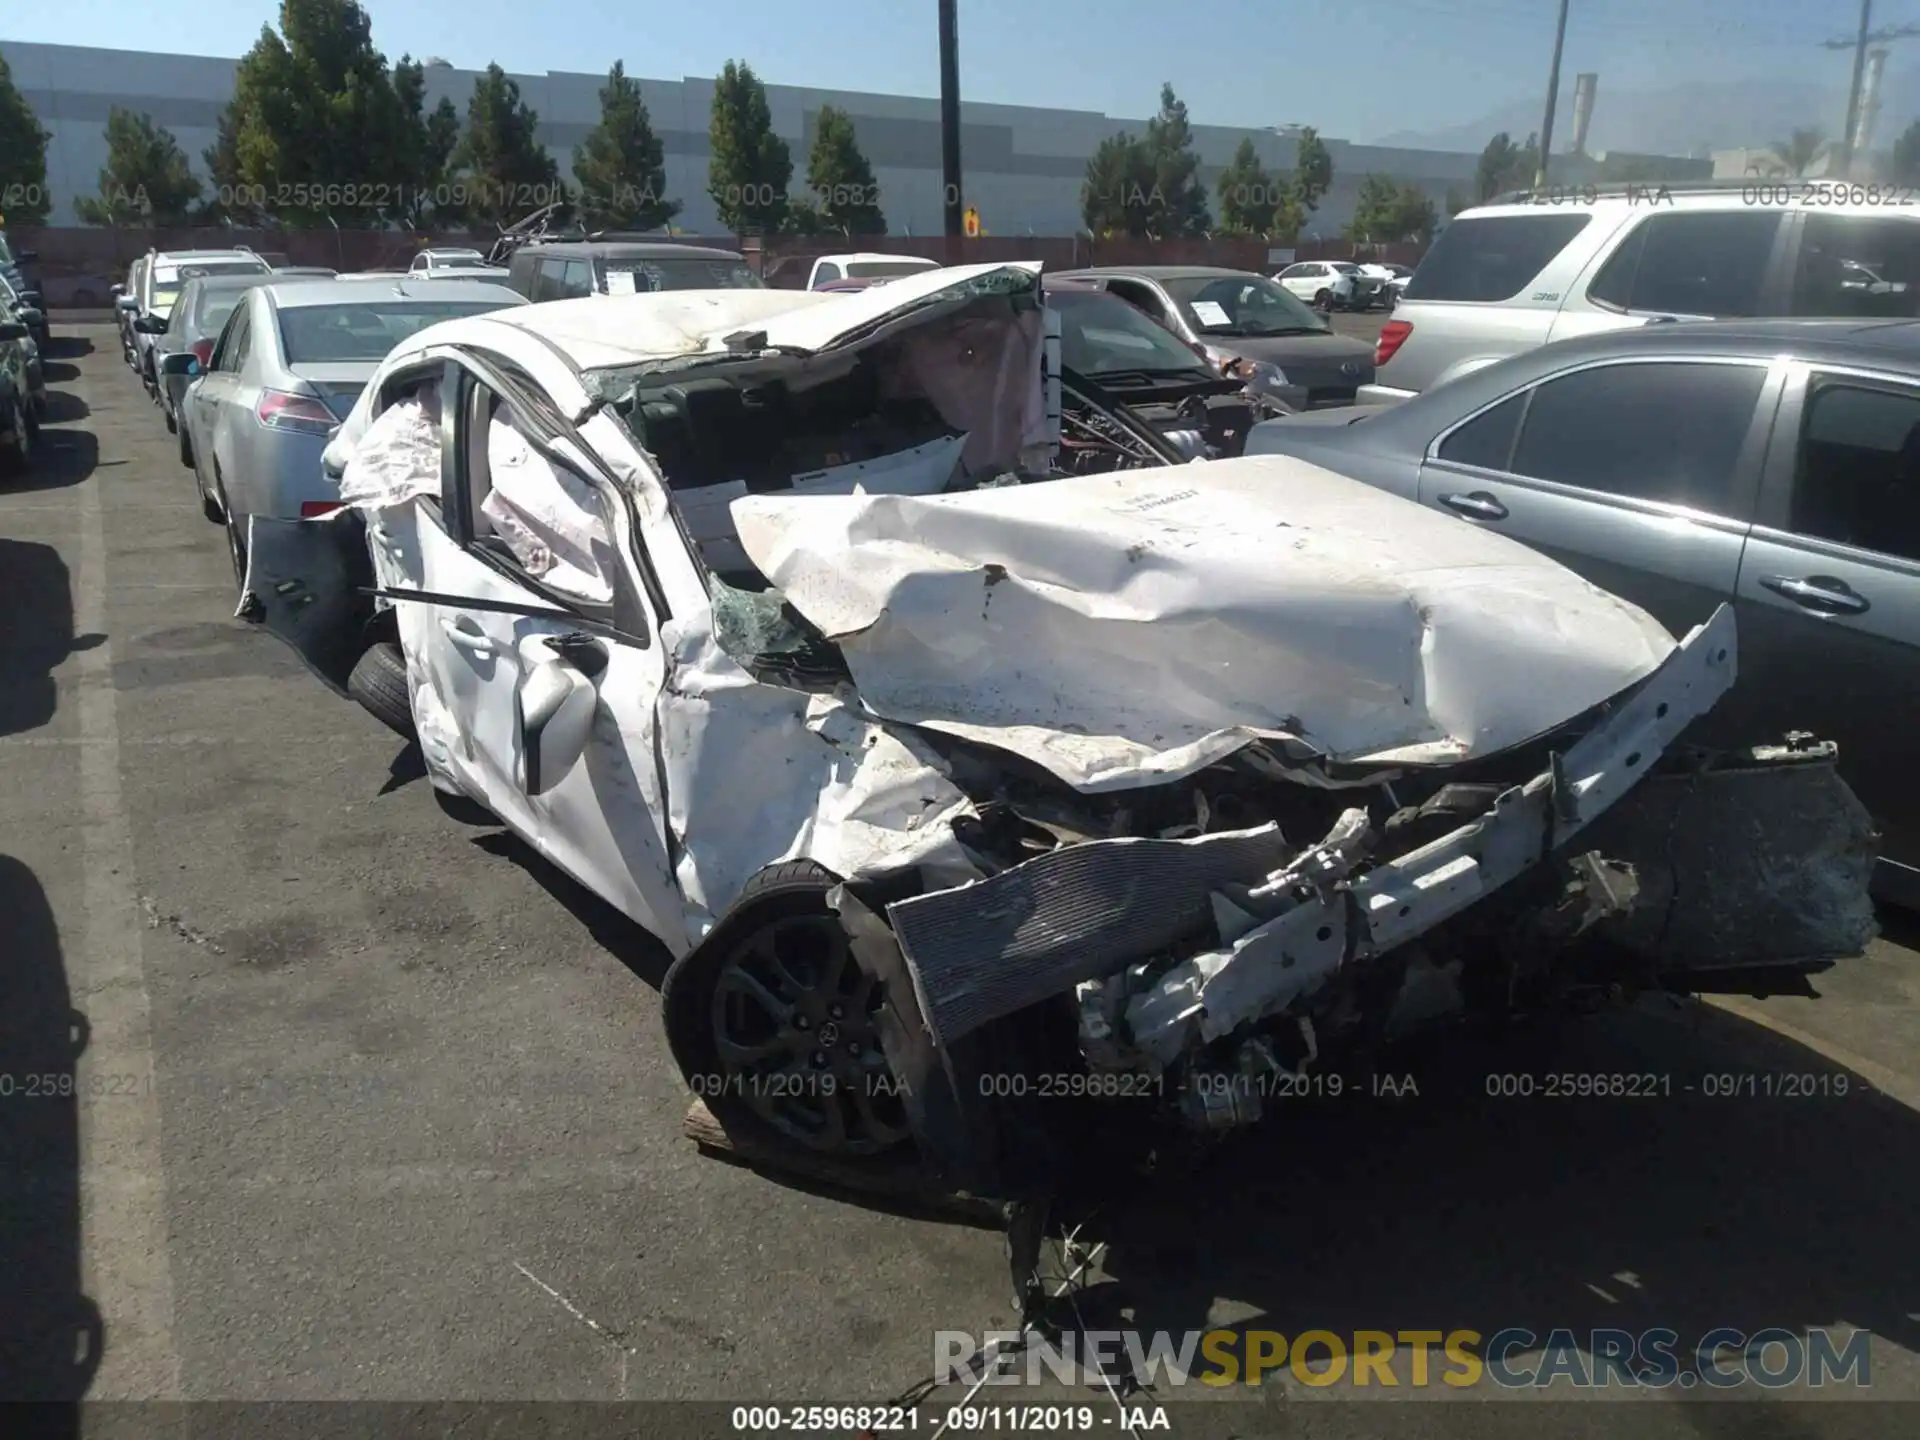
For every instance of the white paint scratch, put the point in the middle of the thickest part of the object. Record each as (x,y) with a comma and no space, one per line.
(584,1318)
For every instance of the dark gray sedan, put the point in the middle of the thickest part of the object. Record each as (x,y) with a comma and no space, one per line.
(1237,315)
(1774,464)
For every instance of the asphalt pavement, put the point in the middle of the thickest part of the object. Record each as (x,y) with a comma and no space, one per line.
(309,1092)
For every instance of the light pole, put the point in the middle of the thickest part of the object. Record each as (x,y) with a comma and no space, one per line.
(953,203)
(1553,94)
(1858,44)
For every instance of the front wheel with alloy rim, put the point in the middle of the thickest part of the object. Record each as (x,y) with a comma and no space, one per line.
(776,1027)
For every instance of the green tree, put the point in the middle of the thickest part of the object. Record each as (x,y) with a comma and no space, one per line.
(1121,192)
(1388,210)
(1181,210)
(227,200)
(24,197)
(839,180)
(1457,200)
(319,130)
(621,165)
(749,167)
(1248,192)
(1505,166)
(1255,201)
(424,145)
(1903,165)
(146,176)
(1312,170)
(502,169)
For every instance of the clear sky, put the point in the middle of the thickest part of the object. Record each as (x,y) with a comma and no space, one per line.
(1357,69)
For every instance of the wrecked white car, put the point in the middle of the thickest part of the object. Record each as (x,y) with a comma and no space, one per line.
(776,620)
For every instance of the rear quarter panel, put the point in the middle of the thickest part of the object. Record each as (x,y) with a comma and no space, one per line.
(1334,448)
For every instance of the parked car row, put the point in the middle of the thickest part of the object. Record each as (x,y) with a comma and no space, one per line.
(1600,380)
(252,365)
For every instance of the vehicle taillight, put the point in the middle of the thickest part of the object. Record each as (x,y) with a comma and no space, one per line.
(203,352)
(1393,335)
(314,509)
(281,411)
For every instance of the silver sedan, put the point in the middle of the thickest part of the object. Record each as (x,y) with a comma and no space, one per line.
(285,371)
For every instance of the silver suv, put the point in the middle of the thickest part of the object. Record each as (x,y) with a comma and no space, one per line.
(1505,277)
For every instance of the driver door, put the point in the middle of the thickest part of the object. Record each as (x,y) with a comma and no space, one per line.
(499,635)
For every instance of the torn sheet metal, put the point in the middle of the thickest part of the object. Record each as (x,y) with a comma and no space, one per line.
(1128,628)
(757,774)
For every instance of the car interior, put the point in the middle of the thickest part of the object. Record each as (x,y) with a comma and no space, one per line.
(916,412)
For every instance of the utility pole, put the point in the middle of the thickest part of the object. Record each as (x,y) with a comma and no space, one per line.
(1853,92)
(953,202)
(1858,44)
(1553,94)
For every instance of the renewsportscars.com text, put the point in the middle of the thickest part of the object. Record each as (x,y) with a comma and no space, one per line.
(1514,1358)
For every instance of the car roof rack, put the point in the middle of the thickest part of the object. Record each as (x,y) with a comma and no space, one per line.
(1621,189)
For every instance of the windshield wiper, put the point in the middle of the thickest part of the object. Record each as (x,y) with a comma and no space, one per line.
(1289,330)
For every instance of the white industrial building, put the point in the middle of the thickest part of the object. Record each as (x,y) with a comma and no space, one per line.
(1023,165)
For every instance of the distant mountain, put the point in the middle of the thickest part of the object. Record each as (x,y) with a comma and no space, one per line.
(1677,120)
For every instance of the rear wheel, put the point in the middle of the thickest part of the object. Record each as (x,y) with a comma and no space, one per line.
(1323,300)
(379,683)
(775,1025)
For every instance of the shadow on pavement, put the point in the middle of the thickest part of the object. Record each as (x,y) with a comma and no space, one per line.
(61,459)
(66,347)
(1457,1210)
(50,1332)
(63,406)
(645,956)
(36,633)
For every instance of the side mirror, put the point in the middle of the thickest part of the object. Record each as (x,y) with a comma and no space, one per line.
(151,325)
(557,705)
(179,363)
(116,290)
(12,330)
(127,302)
(31,317)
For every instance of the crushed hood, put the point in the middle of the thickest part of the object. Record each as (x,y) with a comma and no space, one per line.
(1125,629)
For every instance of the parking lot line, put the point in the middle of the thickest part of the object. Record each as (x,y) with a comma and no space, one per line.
(124,1253)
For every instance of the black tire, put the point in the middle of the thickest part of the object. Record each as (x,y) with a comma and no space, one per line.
(167,415)
(1323,300)
(186,459)
(792,889)
(379,683)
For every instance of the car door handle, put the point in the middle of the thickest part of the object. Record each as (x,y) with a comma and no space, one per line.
(468,636)
(1480,505)
(1824,593)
